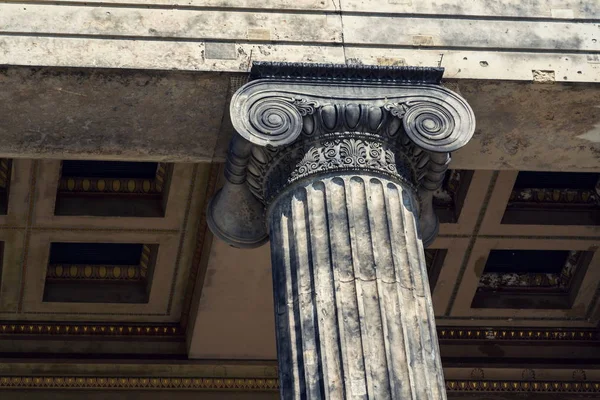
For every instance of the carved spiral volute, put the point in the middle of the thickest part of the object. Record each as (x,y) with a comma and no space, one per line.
(429,125)
(272,121)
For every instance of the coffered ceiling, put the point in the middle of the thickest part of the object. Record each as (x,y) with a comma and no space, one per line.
(80,274)
(219,298)
(75,282)
(236,294)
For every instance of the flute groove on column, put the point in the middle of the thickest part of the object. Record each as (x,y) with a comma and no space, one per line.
(353,309)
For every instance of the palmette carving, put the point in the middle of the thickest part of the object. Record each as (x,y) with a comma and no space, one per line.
(305,106)
(270,170)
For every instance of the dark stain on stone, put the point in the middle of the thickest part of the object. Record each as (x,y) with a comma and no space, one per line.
(354,61)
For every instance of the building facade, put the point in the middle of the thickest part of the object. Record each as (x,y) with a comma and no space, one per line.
(117,119)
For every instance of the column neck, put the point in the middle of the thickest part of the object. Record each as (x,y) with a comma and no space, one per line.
(389,155)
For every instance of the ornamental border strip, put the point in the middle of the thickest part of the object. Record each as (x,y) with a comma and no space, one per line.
(516,386)
(138,383)
(344,72)
(110,330)
(271,384)
(516,334)
(447,333)
(115,186)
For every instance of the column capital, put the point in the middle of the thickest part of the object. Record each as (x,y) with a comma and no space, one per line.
(276,112)
(301,120)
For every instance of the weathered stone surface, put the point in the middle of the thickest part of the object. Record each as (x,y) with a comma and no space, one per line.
(566,9)
(444,32)
(142,22)
(107,114)
(352,303)
(556,35)
(178,117)
(539,127)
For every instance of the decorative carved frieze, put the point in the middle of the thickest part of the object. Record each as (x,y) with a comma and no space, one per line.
(114,185)
(261,384)
(344,73)
(97,272)
(267,385)
(492,281)
(59,272)
(504,386)
(270,170)
(158,331)
(517,334)
(555,196)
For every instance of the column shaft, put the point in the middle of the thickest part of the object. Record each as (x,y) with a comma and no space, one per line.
(352,302)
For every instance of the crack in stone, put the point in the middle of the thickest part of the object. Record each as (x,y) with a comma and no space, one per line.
(382,281)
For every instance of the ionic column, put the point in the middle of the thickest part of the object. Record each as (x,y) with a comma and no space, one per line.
(345,172)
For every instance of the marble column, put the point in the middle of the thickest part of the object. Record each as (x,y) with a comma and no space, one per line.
(345,171)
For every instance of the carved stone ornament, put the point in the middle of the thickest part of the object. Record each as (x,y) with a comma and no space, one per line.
(338,165)
(275,113)
(295,129)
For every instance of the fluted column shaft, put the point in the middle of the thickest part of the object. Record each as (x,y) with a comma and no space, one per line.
(353,308)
